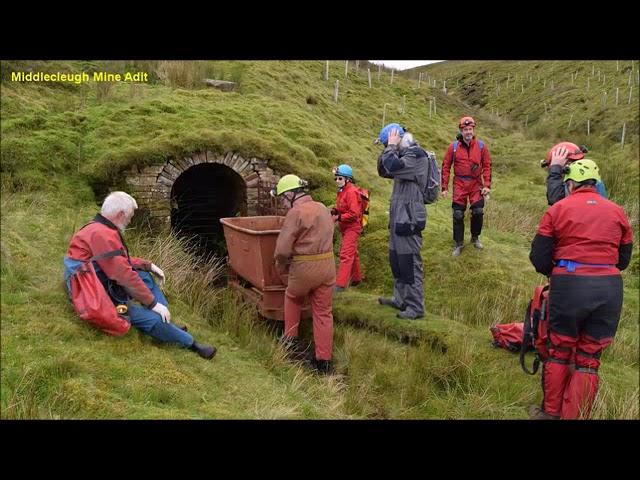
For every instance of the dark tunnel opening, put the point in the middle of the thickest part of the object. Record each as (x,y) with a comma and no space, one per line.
(200,197)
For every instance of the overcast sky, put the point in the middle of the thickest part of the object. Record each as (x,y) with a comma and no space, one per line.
(404,64)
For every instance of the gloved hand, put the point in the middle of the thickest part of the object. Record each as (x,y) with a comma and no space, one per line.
(158,271)
(163,311)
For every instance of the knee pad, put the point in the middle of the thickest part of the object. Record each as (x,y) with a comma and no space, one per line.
(477,211)
(458,214)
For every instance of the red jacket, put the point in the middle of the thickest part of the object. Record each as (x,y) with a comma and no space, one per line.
(349,206)
(469,162)
(102,236)
(587,228)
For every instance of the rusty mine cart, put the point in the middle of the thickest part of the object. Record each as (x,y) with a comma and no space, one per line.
(251,242)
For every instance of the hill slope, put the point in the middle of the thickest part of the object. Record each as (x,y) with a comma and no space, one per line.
(64,146)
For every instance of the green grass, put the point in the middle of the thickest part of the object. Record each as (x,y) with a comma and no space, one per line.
(63,148)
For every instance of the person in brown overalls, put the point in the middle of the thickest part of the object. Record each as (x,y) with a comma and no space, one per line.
(304,248)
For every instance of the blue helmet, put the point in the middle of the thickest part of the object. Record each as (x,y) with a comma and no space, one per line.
(384,133)
(345,171)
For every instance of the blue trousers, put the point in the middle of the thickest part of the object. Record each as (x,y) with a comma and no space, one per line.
(150,323)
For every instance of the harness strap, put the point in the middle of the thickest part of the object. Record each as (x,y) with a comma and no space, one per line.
(557,360)
(582,353)
(571,265)
(309,258)
(102,256)
(592,371)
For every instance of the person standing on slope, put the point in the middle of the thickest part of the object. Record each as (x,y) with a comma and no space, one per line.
(471,183)
(348,214)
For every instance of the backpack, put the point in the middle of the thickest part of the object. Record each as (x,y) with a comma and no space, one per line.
(364,203)
(432,187)
(89,297)
(535,333)
(532,334)
(507,336)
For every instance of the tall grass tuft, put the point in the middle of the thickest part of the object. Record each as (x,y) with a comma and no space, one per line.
(181,73)
(193,279)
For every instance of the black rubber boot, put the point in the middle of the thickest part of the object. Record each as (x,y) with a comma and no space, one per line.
(204,350)
(408,316)
(390,302)
(294,349)
(323,367)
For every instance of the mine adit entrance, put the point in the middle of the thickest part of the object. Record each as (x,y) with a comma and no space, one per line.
(200,197)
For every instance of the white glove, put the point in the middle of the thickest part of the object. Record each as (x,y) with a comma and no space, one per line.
(158,271)
(163,311)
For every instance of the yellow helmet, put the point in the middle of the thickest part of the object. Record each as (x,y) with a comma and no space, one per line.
(287,183)
(582,170)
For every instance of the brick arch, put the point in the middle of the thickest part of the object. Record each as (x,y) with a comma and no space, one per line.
(151,186)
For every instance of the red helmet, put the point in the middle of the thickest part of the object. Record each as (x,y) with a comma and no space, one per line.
(466,122)
(575,152)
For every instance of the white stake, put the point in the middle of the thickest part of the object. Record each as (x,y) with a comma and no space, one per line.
(630,91)
(379,72)
(435,108)
(384,113)
(369,76)
(326,71)
(392,70)
(346,68)
(588,127)
(617,96)
(623,130)
(617,65)
(335,91)
(570,118)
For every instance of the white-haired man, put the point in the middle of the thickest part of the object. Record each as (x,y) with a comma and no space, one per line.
(127,279)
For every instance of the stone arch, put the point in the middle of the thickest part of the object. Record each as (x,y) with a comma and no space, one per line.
(151,186)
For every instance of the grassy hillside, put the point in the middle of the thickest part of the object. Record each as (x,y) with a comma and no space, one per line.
(558,100)
(65,146)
